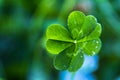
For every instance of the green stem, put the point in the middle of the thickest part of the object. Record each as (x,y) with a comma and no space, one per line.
(72,75)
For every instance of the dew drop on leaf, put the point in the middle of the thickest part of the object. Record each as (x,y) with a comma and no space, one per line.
(96,47)
(93,52)
(75,41)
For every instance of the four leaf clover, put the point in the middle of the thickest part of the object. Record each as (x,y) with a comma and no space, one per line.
(70,44)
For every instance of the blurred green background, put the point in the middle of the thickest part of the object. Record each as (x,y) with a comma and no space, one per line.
(23,55)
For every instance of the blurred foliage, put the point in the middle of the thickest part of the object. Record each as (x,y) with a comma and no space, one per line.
(22,36)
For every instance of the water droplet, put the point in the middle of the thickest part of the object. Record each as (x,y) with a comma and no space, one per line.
(97,42)
(93,52)
(74,54)
(96,47)
(75,41)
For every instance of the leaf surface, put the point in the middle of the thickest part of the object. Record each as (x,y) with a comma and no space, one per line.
(58,32)
(56,47)
(75,22)
(91,47)
(82,37)
(93,35)
(88,26)
(77,60)
(63,59)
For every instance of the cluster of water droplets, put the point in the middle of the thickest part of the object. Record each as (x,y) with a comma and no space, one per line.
(96,47)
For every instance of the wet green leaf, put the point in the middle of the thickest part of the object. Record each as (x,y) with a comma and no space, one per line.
(71,59)
(75,22)
(96,32)
(93,35)
(82,37)
(63,59)
(58,32)
(56,47)
(91,47)
(76,61)
(88,26)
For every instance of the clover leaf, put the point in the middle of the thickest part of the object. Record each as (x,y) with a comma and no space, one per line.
(70,44)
